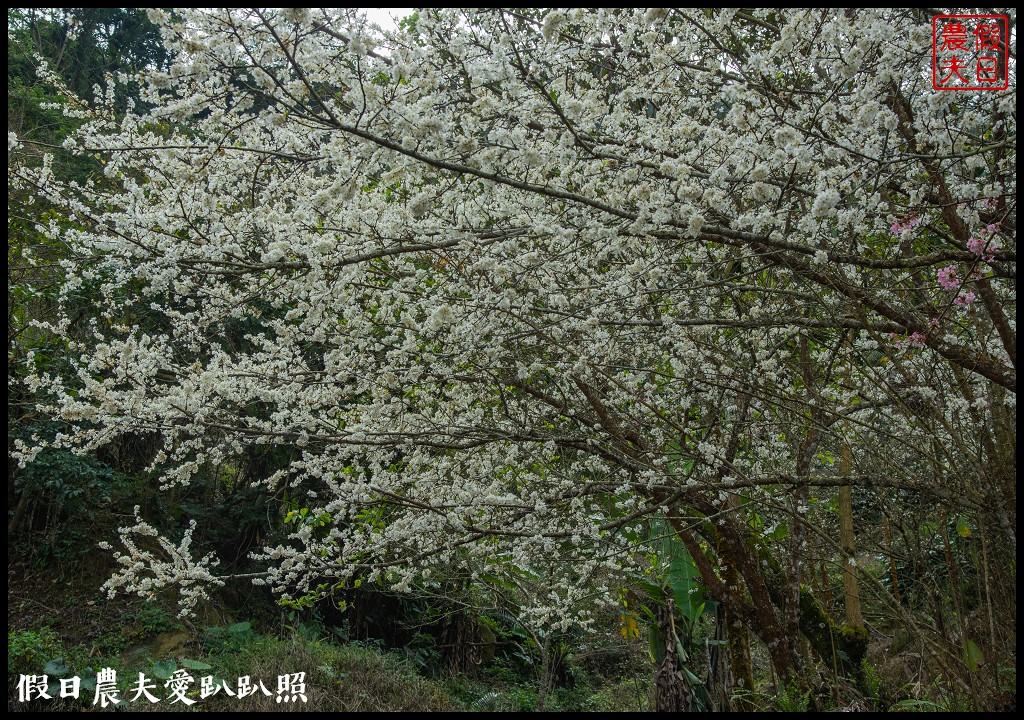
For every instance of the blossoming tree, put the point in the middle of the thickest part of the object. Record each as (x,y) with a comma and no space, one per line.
(513,282)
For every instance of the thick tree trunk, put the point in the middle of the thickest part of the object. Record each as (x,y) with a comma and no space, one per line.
(739,655)
(840,646)
(759,613)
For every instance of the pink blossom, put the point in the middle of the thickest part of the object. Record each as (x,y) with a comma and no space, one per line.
(916,340)
(897,227)
(985,247)
(948,279)
(964,298)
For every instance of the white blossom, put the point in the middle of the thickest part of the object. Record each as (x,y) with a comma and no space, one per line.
(512,283)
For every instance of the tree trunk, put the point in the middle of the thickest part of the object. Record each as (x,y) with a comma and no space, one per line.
(887,536)
(851,593)
(841,647)
(735,632)
(546,672)
(760,612)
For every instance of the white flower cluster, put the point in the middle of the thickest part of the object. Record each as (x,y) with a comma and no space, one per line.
(151,563)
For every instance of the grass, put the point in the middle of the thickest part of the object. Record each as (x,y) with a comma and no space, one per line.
(338,678)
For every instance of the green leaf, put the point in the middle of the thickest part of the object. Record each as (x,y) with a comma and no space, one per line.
(657,643)
(656,593)
(694,680)
(780,531)
(195,665)
(684,579)
(973,656)
(56,668)
(683,576)
(915,705)
(683,655)
(88,679)
(164,669)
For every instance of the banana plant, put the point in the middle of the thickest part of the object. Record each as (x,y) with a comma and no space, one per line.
(673,607)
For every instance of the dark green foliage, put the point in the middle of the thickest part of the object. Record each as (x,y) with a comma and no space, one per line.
(61,499)
(75,484)
(154,619)
(59,493)
(84,44)
(229,637)
(28,650)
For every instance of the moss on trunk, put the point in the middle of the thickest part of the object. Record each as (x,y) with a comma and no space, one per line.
(844,647)
(840,646)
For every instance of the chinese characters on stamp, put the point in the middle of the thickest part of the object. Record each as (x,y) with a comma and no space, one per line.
(969,52)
